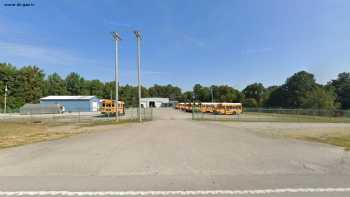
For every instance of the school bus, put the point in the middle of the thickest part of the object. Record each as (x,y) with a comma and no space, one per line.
(108,107)
(228,108)
(192,106)
(184,107)
(208,107)
(179,106)
(216,108)
(187,107)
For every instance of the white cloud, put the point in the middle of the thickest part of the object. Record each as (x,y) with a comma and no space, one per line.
(38,54)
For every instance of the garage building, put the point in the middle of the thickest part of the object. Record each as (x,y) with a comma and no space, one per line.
(154,102)
(73,103)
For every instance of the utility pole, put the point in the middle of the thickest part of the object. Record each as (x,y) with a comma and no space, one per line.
(117,39)
(5,99)
(138,39)
(212,95)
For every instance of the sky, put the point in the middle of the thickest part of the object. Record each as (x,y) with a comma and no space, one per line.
(184,42)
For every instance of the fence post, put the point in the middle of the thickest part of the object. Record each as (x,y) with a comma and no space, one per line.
(31,118)
(192,112)
(151,114)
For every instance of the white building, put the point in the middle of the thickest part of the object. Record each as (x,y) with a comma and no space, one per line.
(73,103)
(154,102)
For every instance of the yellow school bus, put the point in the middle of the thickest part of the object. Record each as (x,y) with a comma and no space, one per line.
(190,106)
(208,107)
(108,107)
(217,108)
(228,108)
(187,107)
(179,106)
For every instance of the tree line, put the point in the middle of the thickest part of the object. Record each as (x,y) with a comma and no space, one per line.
(29,83)
(299,91)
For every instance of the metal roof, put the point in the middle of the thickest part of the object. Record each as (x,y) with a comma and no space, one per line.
(157,99)
(68,98)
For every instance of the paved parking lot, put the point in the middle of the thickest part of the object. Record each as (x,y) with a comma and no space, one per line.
(175,153)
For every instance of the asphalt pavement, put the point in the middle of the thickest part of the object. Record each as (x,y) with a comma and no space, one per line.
(174,153)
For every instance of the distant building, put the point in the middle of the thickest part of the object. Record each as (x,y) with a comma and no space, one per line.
(73,103)
(154,102)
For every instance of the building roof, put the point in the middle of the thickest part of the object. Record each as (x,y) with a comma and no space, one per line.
(157,99)
(68,98)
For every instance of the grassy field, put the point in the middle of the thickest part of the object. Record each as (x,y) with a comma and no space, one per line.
(110,122)
(14,134)
(297,118)
(330,133)
(341,139)
(271,117)
(21,133)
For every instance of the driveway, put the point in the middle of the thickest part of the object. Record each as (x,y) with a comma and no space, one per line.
(174,153)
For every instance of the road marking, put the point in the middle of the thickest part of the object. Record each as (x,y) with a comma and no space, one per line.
(166,193)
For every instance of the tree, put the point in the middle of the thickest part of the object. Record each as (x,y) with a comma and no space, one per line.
(255,91)
(222,93)
(225,93)
(29,84)
(275,97)
(186,96)
(250,102)
(297,89)
(8,75)
(129,94)
(56,85)
(320,98)
(75,84)
(95,87)
(201,93)
(301,91)
(267,94)
(168,91)
(342,89)
(108,90)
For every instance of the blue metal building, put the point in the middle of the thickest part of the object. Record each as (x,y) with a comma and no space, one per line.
(73,103)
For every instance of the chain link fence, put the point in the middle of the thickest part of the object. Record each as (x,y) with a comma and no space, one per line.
(278,115)
(78,116)
(311,112)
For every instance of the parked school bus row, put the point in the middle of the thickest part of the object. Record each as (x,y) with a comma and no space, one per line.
(216,108)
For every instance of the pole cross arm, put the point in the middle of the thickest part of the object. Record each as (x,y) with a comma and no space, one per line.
(137,34)
(116,36)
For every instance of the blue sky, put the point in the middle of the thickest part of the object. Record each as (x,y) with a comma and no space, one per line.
(233,42)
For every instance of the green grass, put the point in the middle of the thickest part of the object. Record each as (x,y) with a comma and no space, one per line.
(271,117)
(301,118)
(328,136)
(15,134)
(107,122)
(21,133)
(337,139)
